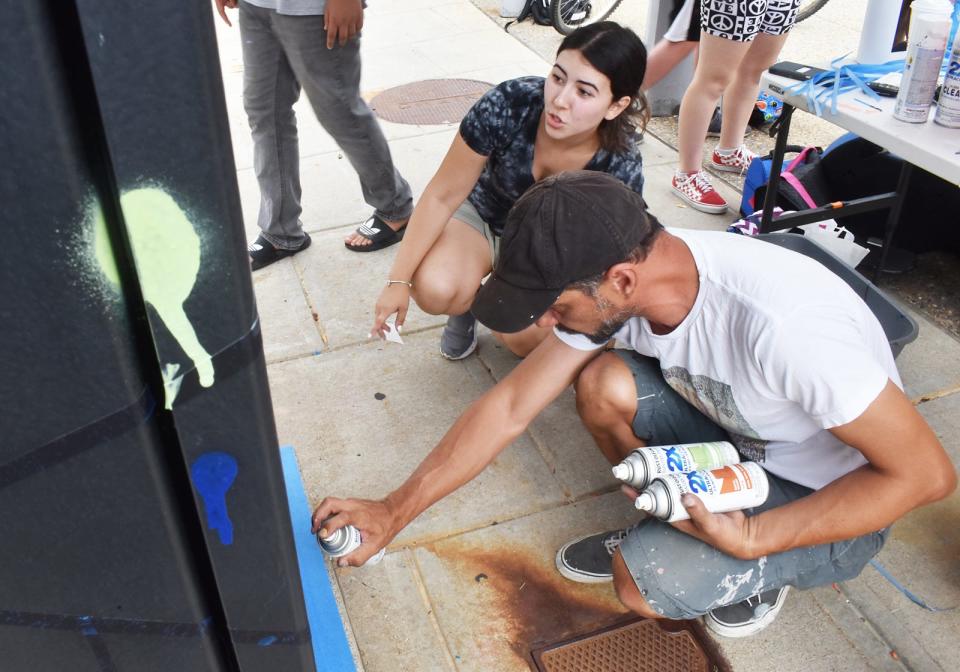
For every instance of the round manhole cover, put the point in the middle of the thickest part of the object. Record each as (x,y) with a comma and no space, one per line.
(430,101)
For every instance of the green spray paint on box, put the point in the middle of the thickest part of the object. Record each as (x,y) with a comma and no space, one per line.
(166,250)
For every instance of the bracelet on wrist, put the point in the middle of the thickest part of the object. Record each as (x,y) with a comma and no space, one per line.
(400,282)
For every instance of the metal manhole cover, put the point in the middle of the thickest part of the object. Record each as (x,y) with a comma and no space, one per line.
(638,646)
(430,101)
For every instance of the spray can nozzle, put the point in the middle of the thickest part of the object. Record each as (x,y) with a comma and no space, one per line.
(645,501)
(622,472)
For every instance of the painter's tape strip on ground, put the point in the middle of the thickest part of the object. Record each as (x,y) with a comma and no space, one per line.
(330,648)
(885,573)
(79,440)
(227,361)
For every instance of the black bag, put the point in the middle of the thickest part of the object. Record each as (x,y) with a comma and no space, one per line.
(538,9)
(855,168)
(803,184)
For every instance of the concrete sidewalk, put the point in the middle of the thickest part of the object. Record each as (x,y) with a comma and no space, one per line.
(471,584)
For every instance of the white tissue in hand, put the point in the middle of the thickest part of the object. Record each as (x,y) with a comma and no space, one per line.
(391,333)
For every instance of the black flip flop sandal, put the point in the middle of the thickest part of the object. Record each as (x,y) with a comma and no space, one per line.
(263,253)
(378,233)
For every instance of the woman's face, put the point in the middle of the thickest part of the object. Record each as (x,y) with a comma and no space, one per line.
(577,97)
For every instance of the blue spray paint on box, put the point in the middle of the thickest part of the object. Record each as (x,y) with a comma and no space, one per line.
(213,474)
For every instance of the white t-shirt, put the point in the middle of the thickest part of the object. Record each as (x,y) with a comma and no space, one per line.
(776,350)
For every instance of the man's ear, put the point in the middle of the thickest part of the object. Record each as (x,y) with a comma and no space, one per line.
(623,279)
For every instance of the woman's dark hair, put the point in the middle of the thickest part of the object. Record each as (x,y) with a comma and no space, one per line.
(619,54)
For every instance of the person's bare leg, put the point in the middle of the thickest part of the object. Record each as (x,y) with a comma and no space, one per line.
(741,96)
(718,59)
(607,403)
(449,276)
(523,342)
(663,58)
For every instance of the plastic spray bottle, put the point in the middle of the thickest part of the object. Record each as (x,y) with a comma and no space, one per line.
(926,43)
(948,106)
(644,464)
(730,488)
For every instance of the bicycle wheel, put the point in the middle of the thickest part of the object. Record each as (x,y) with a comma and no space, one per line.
(810,7)
(568,15)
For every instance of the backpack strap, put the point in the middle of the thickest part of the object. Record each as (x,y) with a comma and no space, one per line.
(792,180)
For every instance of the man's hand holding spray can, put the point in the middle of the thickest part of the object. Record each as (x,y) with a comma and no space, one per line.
(343,542)
(711,471)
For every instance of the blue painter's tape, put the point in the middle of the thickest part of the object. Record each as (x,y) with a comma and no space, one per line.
(330,649)
(213,474)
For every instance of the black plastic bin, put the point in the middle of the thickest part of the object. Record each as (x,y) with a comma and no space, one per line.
(899,327)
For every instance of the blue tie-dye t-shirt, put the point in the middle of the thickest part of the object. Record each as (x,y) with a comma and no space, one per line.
(502,126)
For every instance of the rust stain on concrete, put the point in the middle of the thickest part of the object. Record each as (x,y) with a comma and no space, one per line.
(530,603)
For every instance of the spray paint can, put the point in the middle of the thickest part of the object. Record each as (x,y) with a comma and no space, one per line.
(948,106)
(729,488)
(926,42)
(644,464)
(345,541)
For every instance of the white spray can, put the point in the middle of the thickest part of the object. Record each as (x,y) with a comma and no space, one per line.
(948,106)
(729,488)
(926,42)
(345,541)
(644,464)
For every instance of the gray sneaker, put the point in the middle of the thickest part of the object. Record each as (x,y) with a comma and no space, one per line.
(589,559)
(459,337)
(748,617)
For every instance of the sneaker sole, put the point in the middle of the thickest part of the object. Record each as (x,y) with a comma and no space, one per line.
(710,209)
(738,631)
(579,577)
(466,353)
(727,169)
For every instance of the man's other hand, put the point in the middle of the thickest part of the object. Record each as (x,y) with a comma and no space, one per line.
(375,520)
(222,9)
(727,532)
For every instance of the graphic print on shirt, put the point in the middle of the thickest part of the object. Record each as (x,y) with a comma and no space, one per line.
(715,400)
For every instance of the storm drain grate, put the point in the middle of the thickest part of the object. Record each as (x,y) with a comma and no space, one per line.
(430,101)
(637,646)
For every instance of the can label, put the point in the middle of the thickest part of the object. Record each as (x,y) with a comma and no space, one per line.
(735,486)
(688,457)
(948,106)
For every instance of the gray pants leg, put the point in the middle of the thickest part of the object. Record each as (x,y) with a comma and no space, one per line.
(269,92)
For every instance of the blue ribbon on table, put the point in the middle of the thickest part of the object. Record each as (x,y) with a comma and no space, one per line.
(824,87)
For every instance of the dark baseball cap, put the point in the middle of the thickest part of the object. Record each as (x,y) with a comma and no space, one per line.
(566,228)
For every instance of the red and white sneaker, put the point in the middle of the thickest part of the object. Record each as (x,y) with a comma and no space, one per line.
(738,162)
(695,189)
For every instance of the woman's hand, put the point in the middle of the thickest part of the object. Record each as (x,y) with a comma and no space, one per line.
(394,298)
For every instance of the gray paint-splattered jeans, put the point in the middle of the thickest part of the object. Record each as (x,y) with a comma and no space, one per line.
(682,577)
(281,53)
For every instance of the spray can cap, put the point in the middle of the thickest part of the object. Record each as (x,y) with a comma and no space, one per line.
(622,471)
(645,501)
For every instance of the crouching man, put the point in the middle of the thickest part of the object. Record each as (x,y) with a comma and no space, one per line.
(731,338)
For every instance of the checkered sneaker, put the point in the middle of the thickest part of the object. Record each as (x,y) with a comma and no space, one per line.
(738,162)
(696,190)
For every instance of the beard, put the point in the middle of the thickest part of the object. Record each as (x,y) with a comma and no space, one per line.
(608,327)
